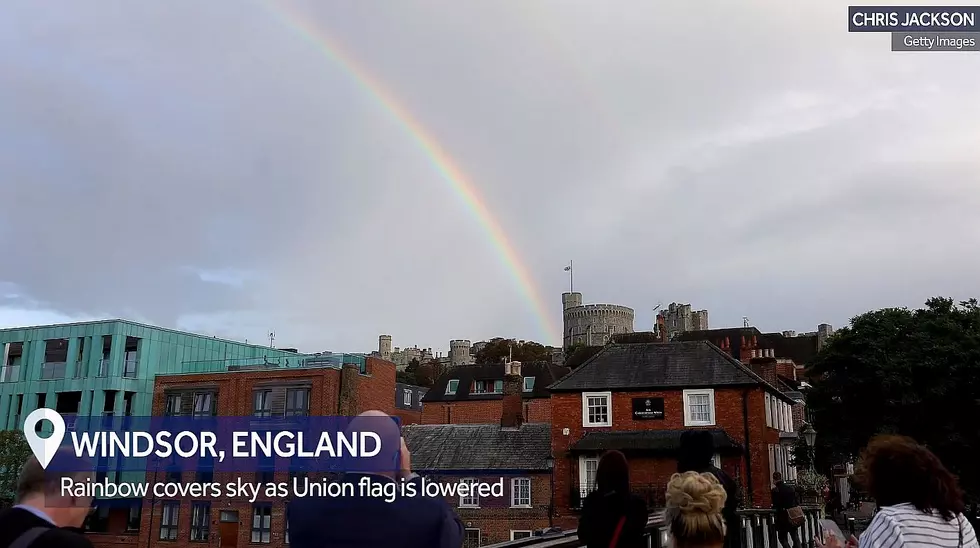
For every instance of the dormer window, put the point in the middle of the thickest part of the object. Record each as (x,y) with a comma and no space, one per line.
(452,386)
(487,387)
(528,384)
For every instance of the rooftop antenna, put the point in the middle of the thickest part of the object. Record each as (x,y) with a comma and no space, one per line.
(655,309)
(272,339)
(510,353)
(745,321)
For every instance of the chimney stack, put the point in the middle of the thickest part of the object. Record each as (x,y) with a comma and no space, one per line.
(512,415)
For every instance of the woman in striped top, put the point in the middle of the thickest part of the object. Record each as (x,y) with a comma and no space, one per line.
(920,503)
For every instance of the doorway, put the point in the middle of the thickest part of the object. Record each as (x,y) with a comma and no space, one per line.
(228,529)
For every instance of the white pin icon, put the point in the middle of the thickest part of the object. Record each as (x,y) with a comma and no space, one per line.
(44,448)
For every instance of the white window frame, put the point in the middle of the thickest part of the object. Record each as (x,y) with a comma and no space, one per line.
(514,531)
(524,385)
(513,492)
(583,476)
(479,535)
(472,497)
(716,461)
(768,409)
(710,392)
(585,409)
(408,396)
(452,386)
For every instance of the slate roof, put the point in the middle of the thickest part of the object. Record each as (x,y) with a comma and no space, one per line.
(648,440)
(802,349)
(656,366)
(478,447)
(544,374)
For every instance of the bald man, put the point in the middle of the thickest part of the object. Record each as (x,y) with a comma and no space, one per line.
(367,521)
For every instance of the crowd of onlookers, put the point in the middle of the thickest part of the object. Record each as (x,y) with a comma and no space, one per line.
(920,505)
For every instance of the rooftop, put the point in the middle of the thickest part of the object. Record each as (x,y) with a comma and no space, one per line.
(653,366)
(544,374)
(478,448)
(801,348)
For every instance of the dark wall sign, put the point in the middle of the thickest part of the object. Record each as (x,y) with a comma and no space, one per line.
(648,408)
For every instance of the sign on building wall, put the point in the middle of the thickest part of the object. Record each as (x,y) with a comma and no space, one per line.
(648,408)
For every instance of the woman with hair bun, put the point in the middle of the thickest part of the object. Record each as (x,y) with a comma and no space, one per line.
(612,517)
(694,510)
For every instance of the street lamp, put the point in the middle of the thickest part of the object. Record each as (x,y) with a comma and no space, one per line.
(810,437)
(550,462)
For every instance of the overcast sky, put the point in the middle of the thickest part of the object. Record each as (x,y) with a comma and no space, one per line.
(204,166)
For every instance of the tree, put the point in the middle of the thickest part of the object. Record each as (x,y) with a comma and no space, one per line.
(14,452)
(498,348)
(427,373)
(409,375)
(909,372)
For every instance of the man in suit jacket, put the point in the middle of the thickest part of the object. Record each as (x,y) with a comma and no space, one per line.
(784,498)
(369,521)
(43,516)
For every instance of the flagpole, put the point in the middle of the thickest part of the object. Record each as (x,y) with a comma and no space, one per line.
(571,278)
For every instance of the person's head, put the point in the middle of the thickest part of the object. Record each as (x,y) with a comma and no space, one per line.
(379,422)
(777,477)
(897,469)
(697,447)
(613,473)
(693,513)
(42,489)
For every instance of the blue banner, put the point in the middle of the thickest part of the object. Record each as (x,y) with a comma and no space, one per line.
(230,444)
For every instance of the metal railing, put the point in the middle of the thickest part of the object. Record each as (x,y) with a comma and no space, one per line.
(758,531)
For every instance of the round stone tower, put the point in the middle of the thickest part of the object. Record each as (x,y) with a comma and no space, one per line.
(459,353)
(592,324)
(384,347)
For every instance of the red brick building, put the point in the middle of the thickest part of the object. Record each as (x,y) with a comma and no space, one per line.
(263,392)
(639,398)
(508,450)
(474,394)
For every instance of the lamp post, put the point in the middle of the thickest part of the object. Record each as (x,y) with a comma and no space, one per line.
(550,462)
(810,437)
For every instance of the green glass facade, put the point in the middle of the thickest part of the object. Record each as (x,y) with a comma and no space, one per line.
(108,367)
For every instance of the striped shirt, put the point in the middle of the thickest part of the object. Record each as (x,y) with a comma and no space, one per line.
(904,526)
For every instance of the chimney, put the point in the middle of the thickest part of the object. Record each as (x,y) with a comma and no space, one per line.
(512,415)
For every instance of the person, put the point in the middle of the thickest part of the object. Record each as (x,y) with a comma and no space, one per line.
(784,498)
(697,448)
(920,503)
(694,510)
(613,517)
(371,521)
(44,517)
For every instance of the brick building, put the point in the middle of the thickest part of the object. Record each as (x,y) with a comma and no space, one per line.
(508,450)
(245,391)
(408,402)
(474,394)
(639,398)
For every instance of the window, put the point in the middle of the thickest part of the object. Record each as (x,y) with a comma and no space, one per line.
(488,387)
(587,467)
(699,407)
(515,535)
(451,386)
(200,521)
(173,405)
(596,409)
(498,387)
(135,513)
(262,403)
(297,402)
(520,492)
(408,396)
(262,523)
(471,500)
(168,520)
(471,538)
(716,460)
(768,410)
(528,385)
(203,405)
(131,365)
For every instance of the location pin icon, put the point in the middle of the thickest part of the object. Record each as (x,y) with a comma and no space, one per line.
(44,448)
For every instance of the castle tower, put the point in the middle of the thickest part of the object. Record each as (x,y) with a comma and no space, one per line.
(592,324)
(384,347)
(570,300)
(459,353)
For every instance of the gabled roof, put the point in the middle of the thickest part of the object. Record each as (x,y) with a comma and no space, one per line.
(478,447)
(656,366)
(544,374)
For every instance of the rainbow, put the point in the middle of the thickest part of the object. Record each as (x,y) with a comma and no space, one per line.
(464,188)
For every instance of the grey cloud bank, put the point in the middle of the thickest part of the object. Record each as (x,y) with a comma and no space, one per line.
(205,167)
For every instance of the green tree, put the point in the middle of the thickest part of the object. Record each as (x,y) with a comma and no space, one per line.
(428,372)
(408,376)
(14,452)
(909,372)
(498,349)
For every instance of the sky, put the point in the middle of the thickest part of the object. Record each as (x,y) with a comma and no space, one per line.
(238,167)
